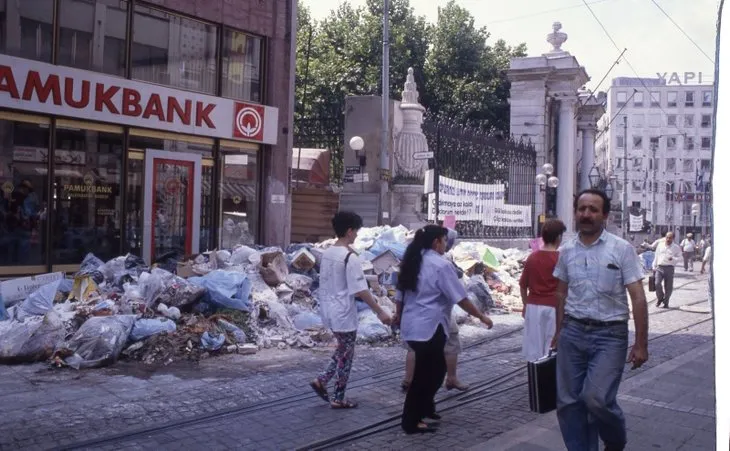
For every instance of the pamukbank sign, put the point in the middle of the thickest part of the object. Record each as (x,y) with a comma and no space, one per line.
(45,88)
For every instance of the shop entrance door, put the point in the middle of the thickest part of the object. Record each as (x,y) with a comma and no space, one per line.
(171,203)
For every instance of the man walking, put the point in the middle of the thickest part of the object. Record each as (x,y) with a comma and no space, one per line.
(667,255)
(688,252)
(594,271)
(341,279)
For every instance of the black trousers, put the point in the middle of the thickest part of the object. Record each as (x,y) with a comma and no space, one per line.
(428,376)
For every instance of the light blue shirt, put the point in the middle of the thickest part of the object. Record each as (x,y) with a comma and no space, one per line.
(597,276)
(437,290)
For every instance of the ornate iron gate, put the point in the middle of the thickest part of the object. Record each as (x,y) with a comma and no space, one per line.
(470,156)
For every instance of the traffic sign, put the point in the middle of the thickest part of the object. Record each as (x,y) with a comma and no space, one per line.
(422,155)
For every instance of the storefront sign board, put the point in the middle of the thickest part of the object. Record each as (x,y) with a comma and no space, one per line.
(46,88)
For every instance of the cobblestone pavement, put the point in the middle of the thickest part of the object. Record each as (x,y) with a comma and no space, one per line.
(71,407)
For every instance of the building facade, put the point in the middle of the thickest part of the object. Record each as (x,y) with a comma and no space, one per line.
(656,141)
(152,128)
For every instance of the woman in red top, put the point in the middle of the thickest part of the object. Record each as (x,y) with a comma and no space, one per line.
(537,287)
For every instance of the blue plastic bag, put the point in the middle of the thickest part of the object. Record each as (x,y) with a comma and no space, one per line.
(3,312)
(144,328)
(225,289)
(238,335)
(307,320)
(381,246)
(212,343)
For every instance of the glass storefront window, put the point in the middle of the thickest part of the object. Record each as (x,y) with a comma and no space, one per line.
(173,50)
(93,35)
(26,29)
(172,205)
(24,187)
(86,192)
(238,196)
(135,199)
(242,61)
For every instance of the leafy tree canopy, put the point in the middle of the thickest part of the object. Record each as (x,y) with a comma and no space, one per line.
(459,70)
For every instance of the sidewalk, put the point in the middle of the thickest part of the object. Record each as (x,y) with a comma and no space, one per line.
(668,407)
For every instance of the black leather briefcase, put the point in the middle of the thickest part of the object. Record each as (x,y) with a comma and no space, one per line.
(542,383)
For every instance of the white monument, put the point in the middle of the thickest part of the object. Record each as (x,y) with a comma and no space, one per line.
(409,167)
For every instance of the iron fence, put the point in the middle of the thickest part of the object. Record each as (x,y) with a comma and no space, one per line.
(487,180)
(323,133)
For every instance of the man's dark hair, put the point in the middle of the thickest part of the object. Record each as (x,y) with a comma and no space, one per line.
(596,192)
(345,220)
(551,230)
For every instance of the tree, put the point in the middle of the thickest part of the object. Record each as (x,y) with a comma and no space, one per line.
(466,76)
(345,53)
(459,76)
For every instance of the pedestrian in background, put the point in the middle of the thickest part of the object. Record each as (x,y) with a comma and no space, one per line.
(341,280)
(427,290)
(594,271)
(688,252)
(667,255)
(537,288)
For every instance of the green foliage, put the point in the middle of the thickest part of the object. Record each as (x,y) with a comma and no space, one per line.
(459,73)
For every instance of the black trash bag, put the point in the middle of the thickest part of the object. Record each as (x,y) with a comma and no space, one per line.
(479,288)
(90,267)
(168,261)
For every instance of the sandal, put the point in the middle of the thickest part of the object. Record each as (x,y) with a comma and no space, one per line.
(345,404)
(422,428)
(320,390)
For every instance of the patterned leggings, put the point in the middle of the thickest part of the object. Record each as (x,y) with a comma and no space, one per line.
(340,364)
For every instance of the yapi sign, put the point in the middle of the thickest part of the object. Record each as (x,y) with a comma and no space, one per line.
(685,79)
(45,88)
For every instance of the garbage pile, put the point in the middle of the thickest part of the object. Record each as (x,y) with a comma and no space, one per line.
(224,301)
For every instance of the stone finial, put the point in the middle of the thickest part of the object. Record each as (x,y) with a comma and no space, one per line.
(557,37)
(410,91)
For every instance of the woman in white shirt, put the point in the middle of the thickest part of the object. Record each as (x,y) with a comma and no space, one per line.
(427,290)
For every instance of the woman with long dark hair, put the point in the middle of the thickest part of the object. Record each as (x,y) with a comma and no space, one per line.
(427,290)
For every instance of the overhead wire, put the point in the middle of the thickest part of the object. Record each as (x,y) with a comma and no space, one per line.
(683,32)
(540,13)
(628,63)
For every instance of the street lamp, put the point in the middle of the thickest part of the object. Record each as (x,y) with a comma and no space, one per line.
(358,144)
(546,179)
(695,213)
(609,190)
(594,177)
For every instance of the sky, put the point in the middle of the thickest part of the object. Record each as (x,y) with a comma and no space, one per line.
(654,44)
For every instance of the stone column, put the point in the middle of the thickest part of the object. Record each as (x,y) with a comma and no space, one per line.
(566,162)
(587,154)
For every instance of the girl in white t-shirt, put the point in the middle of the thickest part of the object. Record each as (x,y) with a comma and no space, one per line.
(341,279)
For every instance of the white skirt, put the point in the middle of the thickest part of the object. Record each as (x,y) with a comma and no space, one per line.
(539,330)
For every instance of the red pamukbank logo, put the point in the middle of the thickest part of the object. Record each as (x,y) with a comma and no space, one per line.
(248,121)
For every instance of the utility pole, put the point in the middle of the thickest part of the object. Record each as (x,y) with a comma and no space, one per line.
(384,156)
(653,187)
(625,202)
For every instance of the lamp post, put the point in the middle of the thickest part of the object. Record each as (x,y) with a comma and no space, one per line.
(546,179)
(695,213)
(358,144)
(594,177)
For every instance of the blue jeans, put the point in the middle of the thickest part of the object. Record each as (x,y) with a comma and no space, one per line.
(590,364)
